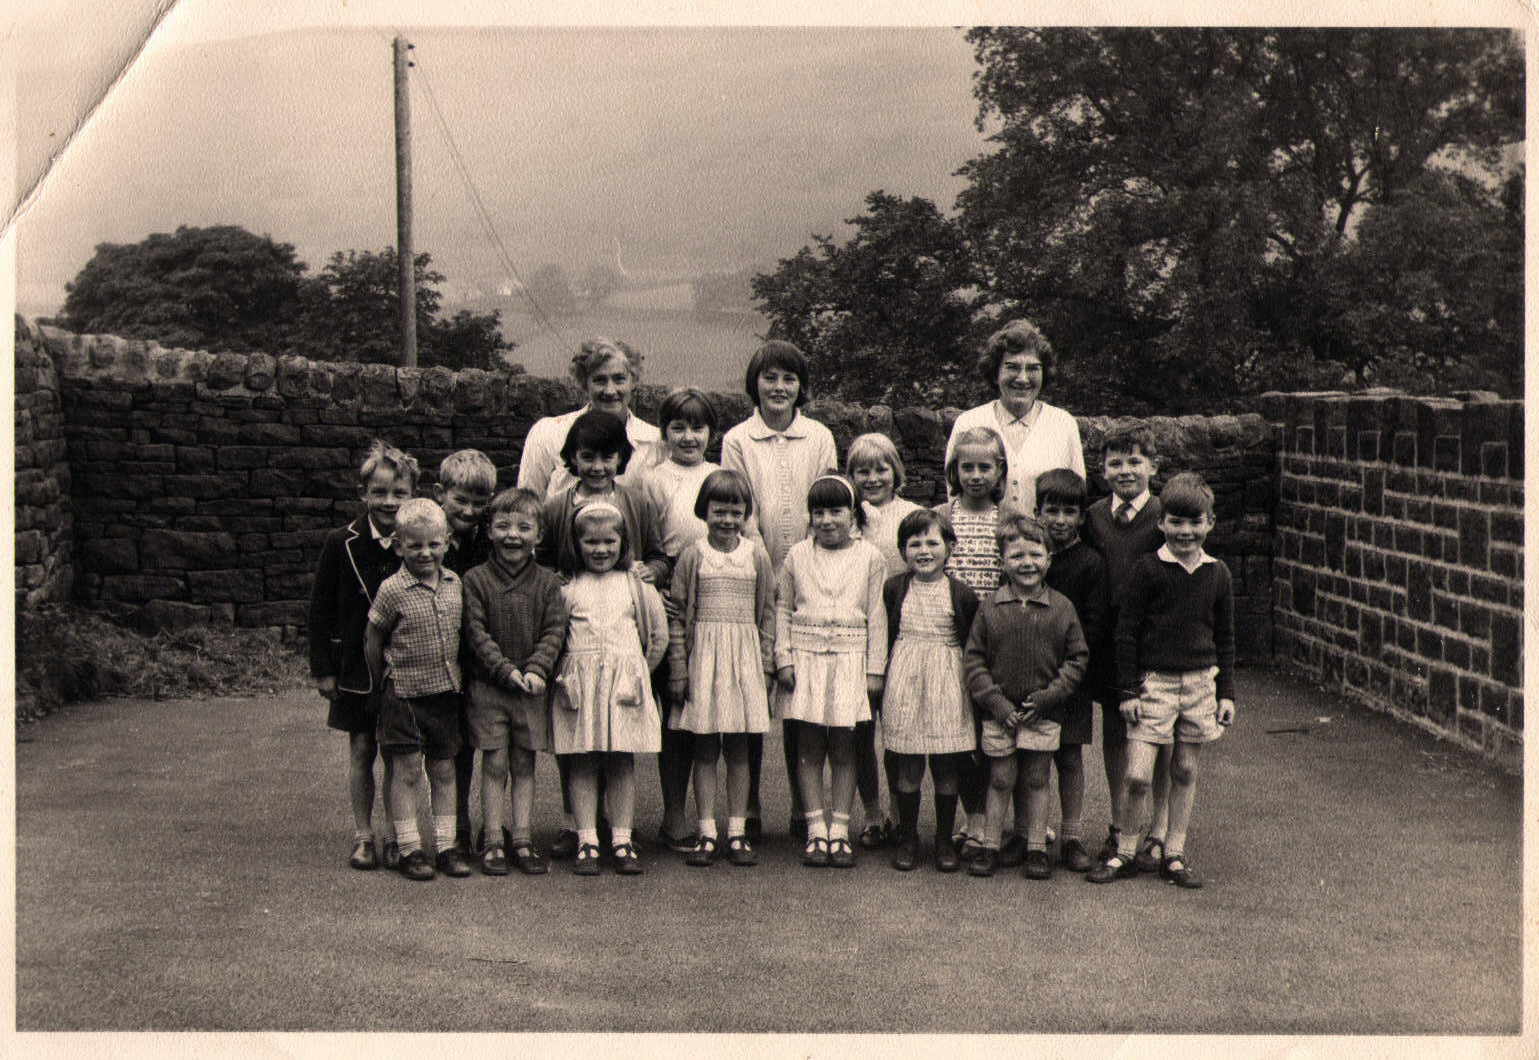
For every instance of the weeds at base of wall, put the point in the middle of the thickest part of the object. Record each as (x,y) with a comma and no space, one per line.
(67,654)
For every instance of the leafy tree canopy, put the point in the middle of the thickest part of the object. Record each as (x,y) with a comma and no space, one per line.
(1195,215)
(223,288)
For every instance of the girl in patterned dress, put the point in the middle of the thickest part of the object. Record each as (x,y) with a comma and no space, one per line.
(603,713)
(976,476)
(925,710)
(830,655)
(720,656)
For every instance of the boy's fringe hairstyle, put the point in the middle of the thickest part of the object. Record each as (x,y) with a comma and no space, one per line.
(382,454)
(1014,523)
(421,515)
(1187,496)
(601,431)
(468,469)
(516,501)
(691,405)
(1135,436)
(833,490)
(923,521)
(875,448)
(978,436)
(724,486)
(777,353)
(601,513)
(1061,486)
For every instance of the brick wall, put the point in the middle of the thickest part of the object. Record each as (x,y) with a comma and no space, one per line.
(204,484)
(1399,559)
(44,556)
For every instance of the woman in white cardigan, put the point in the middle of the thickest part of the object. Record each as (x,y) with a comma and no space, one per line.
(1038,437)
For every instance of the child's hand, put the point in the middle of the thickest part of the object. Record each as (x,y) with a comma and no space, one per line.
(1129,708)
(1025,716)
(534,684)
(327,686)
(517,682)
(1225,711)
(644,572)
(787,678)
(874,685)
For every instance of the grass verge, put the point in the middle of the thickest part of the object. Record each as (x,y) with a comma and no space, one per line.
(68,654)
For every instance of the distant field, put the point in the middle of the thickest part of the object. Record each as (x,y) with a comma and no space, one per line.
(678,348)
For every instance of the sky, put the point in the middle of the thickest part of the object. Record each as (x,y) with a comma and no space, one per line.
(677,150)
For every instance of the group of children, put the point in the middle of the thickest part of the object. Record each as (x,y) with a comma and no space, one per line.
(774,586)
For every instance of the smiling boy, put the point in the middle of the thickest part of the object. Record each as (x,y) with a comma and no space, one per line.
(1175,672)
(1024,657)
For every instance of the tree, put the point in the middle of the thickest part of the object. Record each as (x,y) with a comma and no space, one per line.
(549,288)
(601,281)
(1182,211)
(885,316)
(352,314)
(219,288)
(223,288)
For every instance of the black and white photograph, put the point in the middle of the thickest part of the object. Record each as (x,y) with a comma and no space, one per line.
(770,530)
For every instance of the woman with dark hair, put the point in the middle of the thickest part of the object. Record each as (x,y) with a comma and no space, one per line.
(608,370)
(1018,361)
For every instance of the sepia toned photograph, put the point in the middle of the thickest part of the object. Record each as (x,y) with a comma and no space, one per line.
(780,525)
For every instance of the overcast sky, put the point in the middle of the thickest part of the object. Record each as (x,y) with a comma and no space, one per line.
(683,149)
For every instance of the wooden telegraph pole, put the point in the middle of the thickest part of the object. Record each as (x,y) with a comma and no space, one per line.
(403,205)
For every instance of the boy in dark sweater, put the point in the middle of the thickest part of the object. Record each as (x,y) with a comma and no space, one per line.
(1079,573)
(1122,528)
(1175,672)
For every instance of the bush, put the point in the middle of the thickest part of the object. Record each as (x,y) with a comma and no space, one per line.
(71,655)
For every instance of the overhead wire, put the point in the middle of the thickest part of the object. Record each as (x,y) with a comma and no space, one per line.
(482,214)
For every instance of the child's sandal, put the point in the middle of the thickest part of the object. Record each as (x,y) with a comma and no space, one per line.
(494,861)
(1174,869)
(703,853)
(815,855)
(627,861)
(1116,867)
(873,837)
(529,860)
(841,855)
(1147,860)
(587,860)
(740,851)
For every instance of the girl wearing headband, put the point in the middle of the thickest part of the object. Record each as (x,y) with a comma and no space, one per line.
(602,712)
(830,654)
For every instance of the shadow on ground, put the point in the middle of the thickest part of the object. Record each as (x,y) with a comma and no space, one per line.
(181,866)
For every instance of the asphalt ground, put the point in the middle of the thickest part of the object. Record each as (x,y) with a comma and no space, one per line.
(180,865)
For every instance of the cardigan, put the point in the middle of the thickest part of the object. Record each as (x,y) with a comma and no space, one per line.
(1023,646)
(964,606)
(558,549)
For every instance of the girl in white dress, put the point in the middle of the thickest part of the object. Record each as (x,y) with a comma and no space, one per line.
(720,654)
(875,467)
(926,713)
(602,712)
(830,655)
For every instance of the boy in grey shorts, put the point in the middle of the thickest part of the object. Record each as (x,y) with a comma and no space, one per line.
(1175,673)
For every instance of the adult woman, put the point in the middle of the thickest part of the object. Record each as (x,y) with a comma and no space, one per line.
(608,370)
(1038,437)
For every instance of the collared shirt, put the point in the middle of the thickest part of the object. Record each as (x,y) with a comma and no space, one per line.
(540,467)
(422,628)
(384,541)
(780,467)
(1047,437)
(1168,556)
(1133,506)
(1023,646)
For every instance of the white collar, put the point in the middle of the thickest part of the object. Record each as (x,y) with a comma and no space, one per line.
(1134,506)
(761,430)
(1002,414)
(1170,557)
(385,540)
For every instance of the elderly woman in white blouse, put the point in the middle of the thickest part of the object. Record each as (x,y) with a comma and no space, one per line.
(1038,437)
(608,370)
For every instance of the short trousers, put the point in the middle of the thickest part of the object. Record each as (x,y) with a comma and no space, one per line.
(353,712)
(497,719)
(1177,706)
(996,741)
(426,724)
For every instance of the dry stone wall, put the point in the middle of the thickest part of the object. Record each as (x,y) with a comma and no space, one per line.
(205,483)
(43,532)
